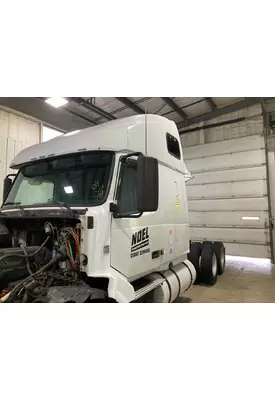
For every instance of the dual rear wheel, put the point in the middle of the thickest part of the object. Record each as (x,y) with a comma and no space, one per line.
(208,259)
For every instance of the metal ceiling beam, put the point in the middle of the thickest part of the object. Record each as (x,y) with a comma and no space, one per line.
(185,106)
(220,111)
(211,103)
(82,117)
(130,104)
(217,124)
(174,107)
(99,111)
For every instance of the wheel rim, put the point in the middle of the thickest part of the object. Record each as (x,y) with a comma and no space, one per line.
(214,265)
(222,258)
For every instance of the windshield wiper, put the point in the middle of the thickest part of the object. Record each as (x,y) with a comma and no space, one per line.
(51,202)
(61,203)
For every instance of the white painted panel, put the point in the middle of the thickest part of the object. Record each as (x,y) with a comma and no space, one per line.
(13,126)
(4,123)
(191,139)
(230,234)
(247,250)
(229,218)
(223,147)
(10,153)
(271,184)
(226,161)
(256,204)
(16,133)
(227,190)
(244,174)
(3,153)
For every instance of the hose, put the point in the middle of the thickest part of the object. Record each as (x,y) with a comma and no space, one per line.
(24,255)
(42,269)
(28,261)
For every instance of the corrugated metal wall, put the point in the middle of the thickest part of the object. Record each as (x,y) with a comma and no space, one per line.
(16,133)
(230,185)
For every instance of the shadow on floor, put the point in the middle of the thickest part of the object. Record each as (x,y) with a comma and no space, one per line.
(245,280)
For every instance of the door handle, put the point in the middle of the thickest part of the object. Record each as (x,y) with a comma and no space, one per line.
(157,253)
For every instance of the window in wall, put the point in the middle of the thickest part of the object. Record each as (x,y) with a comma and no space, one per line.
(173,145)
(49,134)
(128,193)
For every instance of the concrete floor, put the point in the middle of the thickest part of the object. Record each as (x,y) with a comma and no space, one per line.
(244,281)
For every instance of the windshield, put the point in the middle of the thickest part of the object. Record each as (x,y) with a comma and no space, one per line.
(78,179)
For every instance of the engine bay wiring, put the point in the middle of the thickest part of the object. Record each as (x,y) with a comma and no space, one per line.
(53,264)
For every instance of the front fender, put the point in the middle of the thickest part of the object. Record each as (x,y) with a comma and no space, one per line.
(119,288)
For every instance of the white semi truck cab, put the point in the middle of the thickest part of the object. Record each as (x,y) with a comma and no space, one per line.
(101,215)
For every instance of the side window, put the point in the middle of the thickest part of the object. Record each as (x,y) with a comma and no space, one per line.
(127,199)
(173,145)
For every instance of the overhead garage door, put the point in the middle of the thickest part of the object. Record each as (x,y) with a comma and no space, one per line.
(228,195)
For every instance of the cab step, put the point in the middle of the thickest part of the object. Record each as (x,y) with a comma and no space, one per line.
(148,288)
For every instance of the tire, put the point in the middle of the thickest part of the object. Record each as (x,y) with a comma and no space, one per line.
(194,257)
(219,250)
(209,267)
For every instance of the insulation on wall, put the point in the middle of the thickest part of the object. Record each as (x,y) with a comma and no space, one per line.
(16,133)
(252,125)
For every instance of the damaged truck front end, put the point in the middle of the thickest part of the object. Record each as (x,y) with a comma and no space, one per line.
(42,228)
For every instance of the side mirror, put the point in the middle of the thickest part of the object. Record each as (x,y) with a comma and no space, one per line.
(147,184)
(7,185)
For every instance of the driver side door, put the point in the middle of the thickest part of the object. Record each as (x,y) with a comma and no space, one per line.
(132,238)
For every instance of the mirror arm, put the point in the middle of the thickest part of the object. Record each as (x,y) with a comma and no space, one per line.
(113,208)
(133,215)
(123,159)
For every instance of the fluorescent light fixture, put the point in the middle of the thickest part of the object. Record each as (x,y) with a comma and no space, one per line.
(251,218)
(56,101)
(68,189)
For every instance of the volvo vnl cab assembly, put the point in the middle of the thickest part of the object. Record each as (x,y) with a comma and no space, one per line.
(101,215)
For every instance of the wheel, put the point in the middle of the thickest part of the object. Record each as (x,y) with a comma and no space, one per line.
(209,267)
(195,257)
(219,250)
